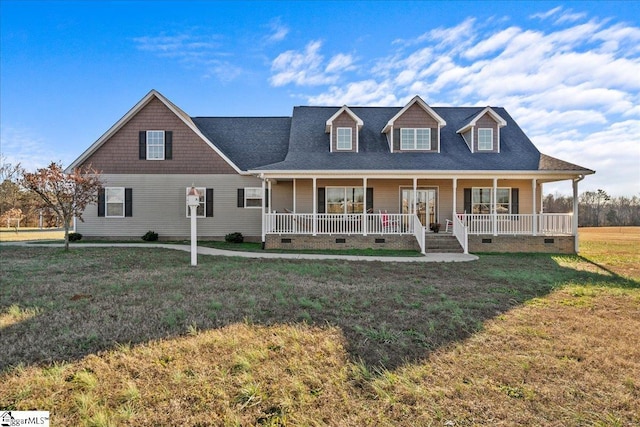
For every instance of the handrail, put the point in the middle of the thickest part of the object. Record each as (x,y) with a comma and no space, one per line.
(461,231)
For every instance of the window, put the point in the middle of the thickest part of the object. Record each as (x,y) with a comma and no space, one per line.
(485,139)
(114,202)
(415,139)
(253,197)
(155,145)
(345,200)
(344,139)
(481,200)
(200,210)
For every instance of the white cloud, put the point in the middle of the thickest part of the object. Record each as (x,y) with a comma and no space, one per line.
(279,31)
(545,15)
(30,150)
(306,68)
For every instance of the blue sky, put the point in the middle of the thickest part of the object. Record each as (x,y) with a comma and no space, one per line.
(568,72)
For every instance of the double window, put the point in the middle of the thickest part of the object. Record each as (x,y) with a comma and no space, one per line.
(345,200)
(344,141)
(482,200)
(485,139)
(415,139)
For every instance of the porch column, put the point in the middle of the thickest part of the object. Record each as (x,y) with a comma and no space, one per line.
(494,205)
(294,195)
(364,207)
(415,198)
(534,184)
(575,212)
(314,197)
(455,192)
(264,186)
(269,199)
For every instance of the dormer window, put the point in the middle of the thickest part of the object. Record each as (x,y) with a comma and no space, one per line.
(485,139)
(344,139)
(415,139)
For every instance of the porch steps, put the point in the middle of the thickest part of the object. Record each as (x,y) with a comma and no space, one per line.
(441,242)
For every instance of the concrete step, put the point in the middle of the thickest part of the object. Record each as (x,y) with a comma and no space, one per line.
(437,242)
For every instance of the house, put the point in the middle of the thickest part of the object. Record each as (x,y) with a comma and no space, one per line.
(331,177)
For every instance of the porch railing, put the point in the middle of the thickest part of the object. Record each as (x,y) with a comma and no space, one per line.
(507,224)
(461,231)
(290,223)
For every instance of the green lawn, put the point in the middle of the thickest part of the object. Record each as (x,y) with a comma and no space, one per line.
(103,336)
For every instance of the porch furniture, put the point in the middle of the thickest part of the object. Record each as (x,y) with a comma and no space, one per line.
(388,224)
(448,225)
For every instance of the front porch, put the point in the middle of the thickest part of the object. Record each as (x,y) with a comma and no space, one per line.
(398,212)
(474,232)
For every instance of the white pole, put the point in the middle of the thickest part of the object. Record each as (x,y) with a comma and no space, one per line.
(194,236)
(193,200)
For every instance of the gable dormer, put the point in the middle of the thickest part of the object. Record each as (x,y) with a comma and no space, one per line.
(344,129)
(415,128)
(482,132)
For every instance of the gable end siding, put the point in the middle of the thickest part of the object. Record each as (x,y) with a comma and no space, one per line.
(344,120)
(188,153)
(416,117)
(487,121)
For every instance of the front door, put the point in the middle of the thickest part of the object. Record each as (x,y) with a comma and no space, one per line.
(426,204)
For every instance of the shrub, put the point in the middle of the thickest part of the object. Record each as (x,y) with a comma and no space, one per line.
(74,237)
(150,236)
(234,238)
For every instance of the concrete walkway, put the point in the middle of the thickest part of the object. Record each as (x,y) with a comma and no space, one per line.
(433,257)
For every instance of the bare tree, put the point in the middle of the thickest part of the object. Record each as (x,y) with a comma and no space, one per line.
(66,194)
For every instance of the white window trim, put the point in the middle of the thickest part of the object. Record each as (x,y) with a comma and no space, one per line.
(490,189)
(106,202)
(163,144)
(259,189)
(344,189)
(350,147)
(203,197)
(491,139)
(415,140)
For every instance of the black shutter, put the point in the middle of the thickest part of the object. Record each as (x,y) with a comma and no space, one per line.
(168,145)
(209,202)
(266,194)
(128,202)
(240,198)
(101,202)
(515,202)
(369,206)
(142,145)
(321,200)
(467,200)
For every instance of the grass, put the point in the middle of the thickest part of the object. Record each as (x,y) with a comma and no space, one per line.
(104,336)
(25,234)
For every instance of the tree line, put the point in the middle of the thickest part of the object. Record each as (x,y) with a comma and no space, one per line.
(597,208)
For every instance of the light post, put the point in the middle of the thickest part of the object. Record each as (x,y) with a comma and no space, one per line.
(193,200)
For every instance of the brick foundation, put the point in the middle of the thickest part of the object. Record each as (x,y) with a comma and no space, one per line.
(539,244)
(338,241)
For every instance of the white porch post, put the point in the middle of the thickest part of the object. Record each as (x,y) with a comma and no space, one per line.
(575,212)
(494,204)
(294,195)
(314,197)
(263,212)
(269,199)
(364,208)
(455,192)
(414,202)
(534,184)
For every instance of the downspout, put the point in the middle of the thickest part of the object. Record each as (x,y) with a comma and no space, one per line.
(575,211)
